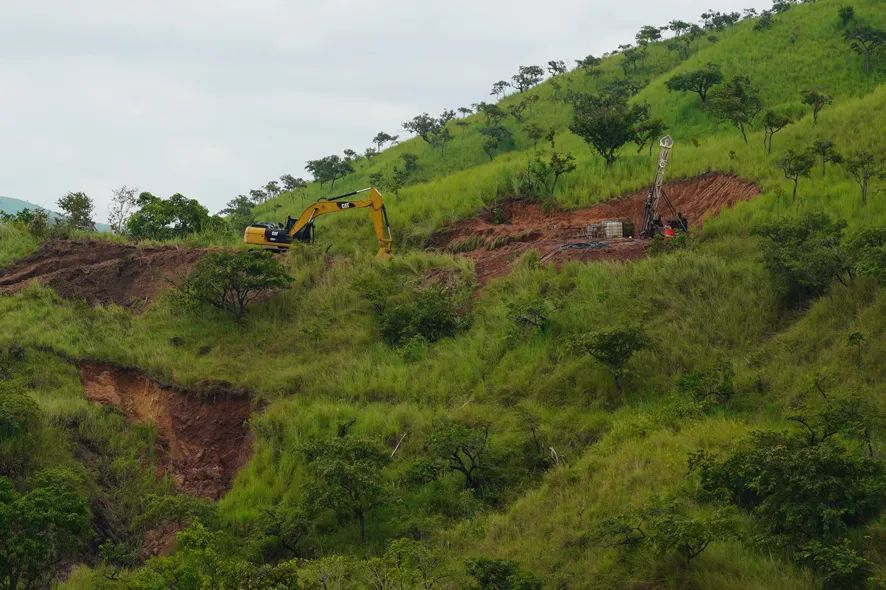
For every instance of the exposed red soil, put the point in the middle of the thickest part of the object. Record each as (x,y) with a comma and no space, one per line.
(102,272)
(554,234)
(203,438)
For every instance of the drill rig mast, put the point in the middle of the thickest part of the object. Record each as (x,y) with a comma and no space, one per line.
(650,207)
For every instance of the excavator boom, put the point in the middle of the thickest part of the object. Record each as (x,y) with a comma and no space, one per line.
(301,229)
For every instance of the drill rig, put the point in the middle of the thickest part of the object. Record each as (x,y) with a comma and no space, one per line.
(650,208)
(301,228)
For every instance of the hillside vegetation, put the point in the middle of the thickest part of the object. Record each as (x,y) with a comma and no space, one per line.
(709,416)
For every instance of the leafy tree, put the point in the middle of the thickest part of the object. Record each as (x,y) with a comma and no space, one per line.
(500,574)
(432,130)
(699,81)
(230,281)
(527,77)
(40,528)
(865,168)
(718,20)
(817,101)
(258,195)
(430,314)
(494,114)
(839,564)
(495,137)
(463,448)
(804,256)
(465,111)
(20,423)
(773,123)
(846,14)
(163,219)
(272,188)
(589,63)
(123,202)
(679,27)
(866,41)
(411,564)
(381,138)
(613,348)
(239,212)
(736,101)
(867,253)
(348,476)
(765,21)
(606,123)
(633,57)
(535,134)
(546,173)
(665,527)
(557,67)
(516,110)
(351,155)
(798,491)
(410,162)
(291,183)
(500,88)
(826,151)
(370,153)
(648,34)
(329,169)
(648,132)
(78,209)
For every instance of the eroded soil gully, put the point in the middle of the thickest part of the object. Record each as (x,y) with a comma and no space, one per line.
(493,247)
(203,438)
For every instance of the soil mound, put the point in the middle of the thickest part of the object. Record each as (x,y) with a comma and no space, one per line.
(203,438)
(560,235)
(102,272)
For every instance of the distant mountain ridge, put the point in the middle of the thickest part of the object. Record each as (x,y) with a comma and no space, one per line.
(12,206)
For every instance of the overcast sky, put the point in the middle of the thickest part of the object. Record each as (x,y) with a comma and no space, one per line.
(213,98)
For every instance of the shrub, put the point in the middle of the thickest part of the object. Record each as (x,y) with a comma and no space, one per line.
(500,574)
(799,492)
(804,256)
(230,281)
(867,253)
(430,313)
(613,348)
(840,565)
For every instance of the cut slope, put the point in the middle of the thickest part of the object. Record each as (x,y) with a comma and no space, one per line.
(203,439)
(560,235)
(101,272)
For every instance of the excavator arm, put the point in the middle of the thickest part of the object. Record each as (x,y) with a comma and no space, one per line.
(301,228)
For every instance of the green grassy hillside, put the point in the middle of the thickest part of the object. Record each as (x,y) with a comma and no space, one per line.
(563,450)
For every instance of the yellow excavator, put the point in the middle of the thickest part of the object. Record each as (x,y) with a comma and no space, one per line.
(301,229)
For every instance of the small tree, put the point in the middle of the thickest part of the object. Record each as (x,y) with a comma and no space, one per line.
(535,134)
(40,528)
(556,67)
(465,111)
(613,348)
(648,34)
(499,574)
(699,81)
(230,281)
(647,132)
(804,256)
(817,101)
(123,202)
(606,122)
(329,169)
(794,165)
(78,209)
(527,77)
(864,168)
(846,14)
(239,212)
(291,183)
(348,477)
(826,151)
(495,136)
(738,102)
(866,41)
(381,138)
(272,188)
(773,123)
(500,88)
(462,448)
